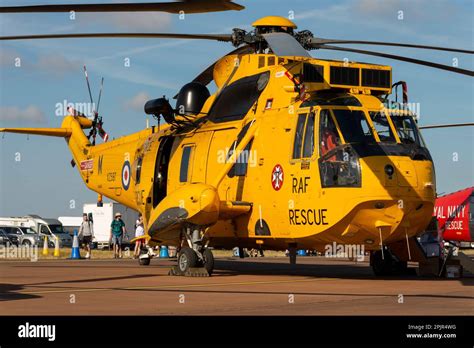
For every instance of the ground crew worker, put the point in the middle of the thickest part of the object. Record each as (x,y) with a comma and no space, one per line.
(86,233)
(117,230)
(139,231)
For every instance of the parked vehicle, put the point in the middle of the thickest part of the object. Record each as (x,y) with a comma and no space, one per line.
(102,218)
(24,235)
(49,228)
(6,239)
(455,215)
(70,223)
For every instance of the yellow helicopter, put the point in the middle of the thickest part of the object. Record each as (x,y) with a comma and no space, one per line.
(291,152)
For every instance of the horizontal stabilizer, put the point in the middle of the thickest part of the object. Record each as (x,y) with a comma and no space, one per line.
(52,132)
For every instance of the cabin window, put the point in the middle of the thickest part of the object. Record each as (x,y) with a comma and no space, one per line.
(308,146)
(299,136)
(354,126)
(242,161)
(44,230)
(303,146)
(137,169)
(235,100)
(185,159)
(382,126)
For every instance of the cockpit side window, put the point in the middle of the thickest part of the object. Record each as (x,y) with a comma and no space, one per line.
(382,126)
(354,126)
(406,129)
(308,146)
(329,137)
(338,162)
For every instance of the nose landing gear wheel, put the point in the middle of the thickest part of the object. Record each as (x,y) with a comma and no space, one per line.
(189,264)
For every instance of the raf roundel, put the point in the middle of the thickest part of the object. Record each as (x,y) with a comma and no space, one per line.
(277,177)
(126,175)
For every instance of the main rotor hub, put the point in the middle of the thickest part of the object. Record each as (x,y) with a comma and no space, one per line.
(274,21)
(273,24)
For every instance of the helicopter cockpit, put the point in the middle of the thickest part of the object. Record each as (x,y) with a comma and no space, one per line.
(350,129)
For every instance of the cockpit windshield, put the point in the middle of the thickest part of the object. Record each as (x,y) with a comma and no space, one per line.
(354,126)
(406,129)
(382,127)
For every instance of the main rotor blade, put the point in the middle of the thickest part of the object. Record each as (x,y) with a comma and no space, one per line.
(187,6)
(401,58)
(217,37)
(319,41)
(448,125)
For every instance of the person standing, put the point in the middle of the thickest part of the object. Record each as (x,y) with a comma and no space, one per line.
(139,231)
(86,233)
(117,230)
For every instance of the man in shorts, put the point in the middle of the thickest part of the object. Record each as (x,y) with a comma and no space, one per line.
(117,230)
(86,233)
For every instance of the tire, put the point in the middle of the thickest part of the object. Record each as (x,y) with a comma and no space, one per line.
(145,261)
(401,267)
(26,243)
(208,260)
(187,259)
(382,266)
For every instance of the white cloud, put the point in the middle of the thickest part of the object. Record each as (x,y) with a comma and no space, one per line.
(128,21)
(137,102)
(57,64)
(13,113)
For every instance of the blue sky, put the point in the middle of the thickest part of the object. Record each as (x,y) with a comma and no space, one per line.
(43,182)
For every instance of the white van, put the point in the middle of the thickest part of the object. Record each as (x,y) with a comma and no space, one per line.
(49,228)
(71,223)
(102,218)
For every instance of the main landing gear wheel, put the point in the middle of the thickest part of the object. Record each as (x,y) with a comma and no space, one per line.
(388,265)
(187,259)
(208,260)
(382,265)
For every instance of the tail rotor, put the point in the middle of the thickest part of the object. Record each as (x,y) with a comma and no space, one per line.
(97,122)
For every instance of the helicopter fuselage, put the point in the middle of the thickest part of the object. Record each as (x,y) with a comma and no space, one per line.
(317,160)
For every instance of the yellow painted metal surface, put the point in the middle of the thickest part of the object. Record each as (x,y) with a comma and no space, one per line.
(274,21)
